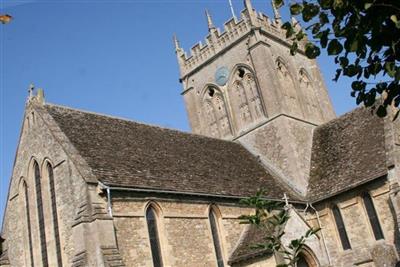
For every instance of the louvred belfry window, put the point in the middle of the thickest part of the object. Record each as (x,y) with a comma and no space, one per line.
(54,213)
(341,228)
(39,203)
(372,216)
(217,243)
(151,218)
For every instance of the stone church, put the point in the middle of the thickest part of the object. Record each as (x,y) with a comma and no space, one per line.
(94,190)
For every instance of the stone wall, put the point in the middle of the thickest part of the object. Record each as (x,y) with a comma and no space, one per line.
(183,227)
(365,250)
(38,143)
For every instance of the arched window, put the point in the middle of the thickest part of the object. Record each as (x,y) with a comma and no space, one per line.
(216,115)
(151,218)
(288,89)
(212,216)
(373,217)
(246,100)
(341,228)
(307,89)
(39,203)
(54,213)
(28,223)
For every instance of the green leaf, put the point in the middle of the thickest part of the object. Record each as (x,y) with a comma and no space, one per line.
(312,51)
(326,4)
(337,4)
(323,18)
(381,111)
(334,47)
(293,48)
(367,5)
(390,68)
(278,3)
(296,9)
(309,11)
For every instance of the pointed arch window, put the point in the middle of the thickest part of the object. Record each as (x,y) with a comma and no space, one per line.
(28,223)
(288,89)
(216,115)
(341,228)
(151,218)
(372,216)
(39,204)
(54,213)
(212,216)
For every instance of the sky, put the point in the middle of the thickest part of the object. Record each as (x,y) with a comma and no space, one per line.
(112,57)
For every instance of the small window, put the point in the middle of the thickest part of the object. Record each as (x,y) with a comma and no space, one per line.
(217,243)
(39,203)
(372,216)
(151,218)
(341,228)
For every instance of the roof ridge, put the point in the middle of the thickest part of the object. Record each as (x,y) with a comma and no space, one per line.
(137,122)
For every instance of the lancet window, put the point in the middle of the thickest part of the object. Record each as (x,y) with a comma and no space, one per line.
(341,228)
(217,120)
(212,216)
(39,204)
(28,223)
(372,216)
(54,213)
(151,218)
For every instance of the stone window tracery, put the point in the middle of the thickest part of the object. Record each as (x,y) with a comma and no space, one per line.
(40,212)
(217,120)
(288,89)
(247,101)
(308,90)
(152,226)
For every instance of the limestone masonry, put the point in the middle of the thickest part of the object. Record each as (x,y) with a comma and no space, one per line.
(94,190)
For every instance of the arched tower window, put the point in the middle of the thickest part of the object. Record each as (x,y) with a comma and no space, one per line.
(310,98)
(341,228)
(39,203)
(288,89)
(28,223)
(372,216)
(54,213)
(246,100)
(151,218)
(212,216)
(217,120)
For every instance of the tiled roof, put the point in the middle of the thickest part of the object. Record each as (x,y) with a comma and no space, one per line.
(129,154)
(347,151)
(246,248)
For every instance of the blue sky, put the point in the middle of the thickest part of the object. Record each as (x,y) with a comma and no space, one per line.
(113,57)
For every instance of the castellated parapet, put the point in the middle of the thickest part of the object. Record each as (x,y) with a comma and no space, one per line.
(234,31)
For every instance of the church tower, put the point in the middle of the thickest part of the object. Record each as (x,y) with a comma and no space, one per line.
(243,85)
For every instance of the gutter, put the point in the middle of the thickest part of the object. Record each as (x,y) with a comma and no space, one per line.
(108,190)
(147,190)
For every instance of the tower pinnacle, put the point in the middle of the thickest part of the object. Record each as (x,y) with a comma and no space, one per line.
(277,15)
(209,21)
(176,44)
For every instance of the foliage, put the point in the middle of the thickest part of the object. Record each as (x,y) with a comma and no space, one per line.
(363,36)
(272,217)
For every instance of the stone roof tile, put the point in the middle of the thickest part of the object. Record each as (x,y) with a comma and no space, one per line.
(129,154)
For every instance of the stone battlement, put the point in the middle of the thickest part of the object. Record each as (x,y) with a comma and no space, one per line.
(217,41)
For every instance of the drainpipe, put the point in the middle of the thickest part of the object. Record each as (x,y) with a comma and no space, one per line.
(108,190)
(322,232)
